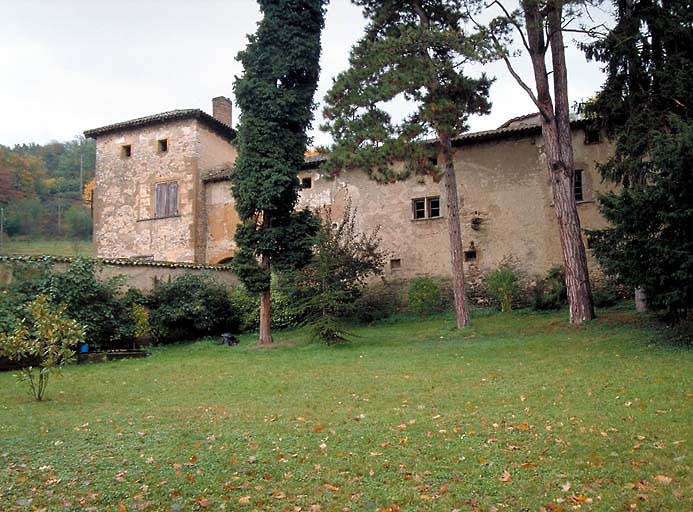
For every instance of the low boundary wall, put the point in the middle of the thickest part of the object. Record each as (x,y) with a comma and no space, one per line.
(140,274)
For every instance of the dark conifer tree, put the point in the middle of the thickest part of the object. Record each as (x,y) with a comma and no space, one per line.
(414,49)
(275,95)
(646,108)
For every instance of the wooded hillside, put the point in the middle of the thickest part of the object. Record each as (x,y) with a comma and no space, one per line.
(42,189)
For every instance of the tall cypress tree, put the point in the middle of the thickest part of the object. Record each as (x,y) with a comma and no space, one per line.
(646,108)
(275,95)
(415,49)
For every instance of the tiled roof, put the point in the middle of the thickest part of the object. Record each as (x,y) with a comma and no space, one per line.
(506,133)
(221,174)
(173,115)
(313,161)
(520,119)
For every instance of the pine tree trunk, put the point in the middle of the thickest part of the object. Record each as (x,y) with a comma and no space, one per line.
(558,148)
(265,310)
(572,247)
(455,234)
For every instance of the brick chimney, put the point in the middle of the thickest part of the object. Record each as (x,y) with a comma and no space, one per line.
(221,110)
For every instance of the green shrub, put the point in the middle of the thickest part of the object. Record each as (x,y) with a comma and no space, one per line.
(503,283)
(190,307)
(328,286)
(79,222)
(604,296)
(328,330)
(42,344)
(284,314)
(550,292)
(140,315)
(96,305)
(425,296)
(378,301)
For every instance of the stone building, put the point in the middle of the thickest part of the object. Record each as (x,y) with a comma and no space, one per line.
(163,192)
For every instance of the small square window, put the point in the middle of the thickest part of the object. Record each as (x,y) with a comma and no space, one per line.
(126,151)
(433,207)
(419,207)
(470,255)
(578,189)
(306,182)
(592,136)
(395,264)
(162,145)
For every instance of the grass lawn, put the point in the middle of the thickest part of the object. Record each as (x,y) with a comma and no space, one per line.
(518,412)
(51,247)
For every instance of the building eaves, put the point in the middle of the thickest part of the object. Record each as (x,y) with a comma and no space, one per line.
(213,175)
(467,139)
(165,117)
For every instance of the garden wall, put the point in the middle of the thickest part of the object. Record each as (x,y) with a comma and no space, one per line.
(140,274)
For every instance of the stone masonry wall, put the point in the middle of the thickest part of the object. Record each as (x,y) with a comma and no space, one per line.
(124,197)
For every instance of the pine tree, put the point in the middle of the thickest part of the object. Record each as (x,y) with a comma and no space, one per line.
(540,25)
(415,49)
(275,95)
(646,108)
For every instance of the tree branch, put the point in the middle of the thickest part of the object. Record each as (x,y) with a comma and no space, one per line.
(503,55)
(510,19)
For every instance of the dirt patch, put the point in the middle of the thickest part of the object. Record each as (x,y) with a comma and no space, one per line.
(276,344)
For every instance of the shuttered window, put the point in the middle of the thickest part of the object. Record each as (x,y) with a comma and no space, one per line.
(166,199)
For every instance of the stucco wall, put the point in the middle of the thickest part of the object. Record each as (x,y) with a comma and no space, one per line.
(222,220)
(214,152)
(124,223)
(502,183)
(503,190)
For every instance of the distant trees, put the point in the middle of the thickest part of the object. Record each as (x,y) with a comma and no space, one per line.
(646,108)
(41,187)
(275,95)
(416,50)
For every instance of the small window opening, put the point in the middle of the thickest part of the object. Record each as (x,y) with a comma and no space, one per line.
(470,254)
(163,145)
(395,264)
(419,206)
(434,207)
(126,151)
(592,136)
(578,190)
(306,183)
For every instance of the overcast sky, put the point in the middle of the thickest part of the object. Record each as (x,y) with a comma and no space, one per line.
(70,65)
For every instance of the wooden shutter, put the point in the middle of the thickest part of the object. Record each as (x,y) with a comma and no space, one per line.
(166,199)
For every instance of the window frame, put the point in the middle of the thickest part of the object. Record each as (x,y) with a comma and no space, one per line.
(166,205)
(579,186)
(422,208)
